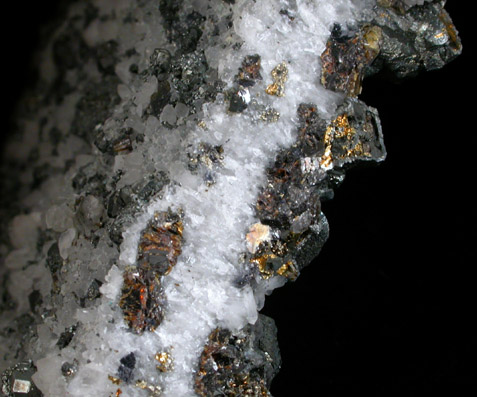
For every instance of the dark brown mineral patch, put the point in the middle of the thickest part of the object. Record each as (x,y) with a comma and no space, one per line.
(346,57)
(249,72)
(161,243)
(142,300)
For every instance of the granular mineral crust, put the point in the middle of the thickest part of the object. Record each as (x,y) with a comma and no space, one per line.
(414,38)
(205,159)
(293,229)
(168,173)
(239,364)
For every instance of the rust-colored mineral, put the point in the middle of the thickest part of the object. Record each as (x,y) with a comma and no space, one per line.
(161,242)
(249,72)
(142,299)
(346,57)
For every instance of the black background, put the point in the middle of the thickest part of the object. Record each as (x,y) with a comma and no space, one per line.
(387,309)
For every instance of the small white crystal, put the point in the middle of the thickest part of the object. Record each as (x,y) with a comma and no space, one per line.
(90,213)
(65,241)
(19,258)
(59,218)
(168,115)
(257,235)
(24,230)
(114,281)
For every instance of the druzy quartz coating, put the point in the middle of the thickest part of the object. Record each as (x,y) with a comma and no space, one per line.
(177,154)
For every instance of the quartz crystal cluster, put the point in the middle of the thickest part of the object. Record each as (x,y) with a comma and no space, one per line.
(169,169)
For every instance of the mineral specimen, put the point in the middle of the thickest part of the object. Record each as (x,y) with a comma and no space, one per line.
(173,159)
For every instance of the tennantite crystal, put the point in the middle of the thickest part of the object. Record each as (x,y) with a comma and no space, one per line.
(169,169)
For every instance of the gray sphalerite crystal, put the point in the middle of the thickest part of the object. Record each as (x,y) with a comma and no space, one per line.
(168,172)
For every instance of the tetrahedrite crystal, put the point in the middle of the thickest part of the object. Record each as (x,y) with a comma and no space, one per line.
(241,364)
(172,162)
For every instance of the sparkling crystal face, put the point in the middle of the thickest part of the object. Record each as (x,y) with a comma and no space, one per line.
(21,386)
